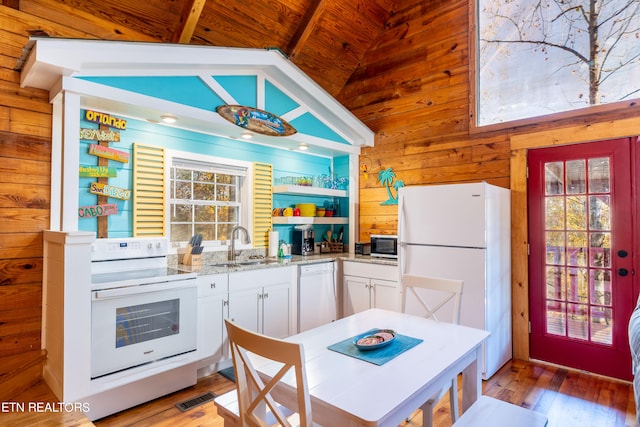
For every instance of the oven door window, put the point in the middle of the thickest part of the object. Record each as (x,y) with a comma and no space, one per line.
(135,329)
(144,322)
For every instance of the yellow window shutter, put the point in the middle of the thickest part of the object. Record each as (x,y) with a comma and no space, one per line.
(262,204)
(148,191)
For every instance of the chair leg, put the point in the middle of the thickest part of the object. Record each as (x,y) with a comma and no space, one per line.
(453,400)
(427,414)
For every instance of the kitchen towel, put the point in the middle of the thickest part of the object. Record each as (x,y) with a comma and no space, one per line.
(274,241)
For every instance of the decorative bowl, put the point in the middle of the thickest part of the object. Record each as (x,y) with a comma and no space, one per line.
(374,338)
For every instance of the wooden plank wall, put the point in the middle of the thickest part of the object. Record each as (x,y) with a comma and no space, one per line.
(25,161)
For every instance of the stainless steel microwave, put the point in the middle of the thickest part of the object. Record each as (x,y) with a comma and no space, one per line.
(384,246)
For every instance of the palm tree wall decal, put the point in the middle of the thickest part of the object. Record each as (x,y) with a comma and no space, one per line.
(386,178)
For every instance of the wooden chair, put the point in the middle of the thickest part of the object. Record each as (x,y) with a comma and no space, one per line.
(443,304)
(256,403)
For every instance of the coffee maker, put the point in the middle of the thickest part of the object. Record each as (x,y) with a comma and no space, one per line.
(302,240)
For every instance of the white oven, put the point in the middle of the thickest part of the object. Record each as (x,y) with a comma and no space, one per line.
(141,310)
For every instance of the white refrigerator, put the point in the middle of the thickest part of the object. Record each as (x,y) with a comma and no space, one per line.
(462,231)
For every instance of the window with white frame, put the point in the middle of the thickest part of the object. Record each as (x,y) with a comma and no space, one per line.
(207,196)
(537,58)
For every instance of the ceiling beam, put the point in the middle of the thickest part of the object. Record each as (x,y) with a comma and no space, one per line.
(189,17)
(306,27)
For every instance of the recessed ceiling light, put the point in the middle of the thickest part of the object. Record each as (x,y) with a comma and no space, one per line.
(169,118)
(246,135)
(303,146)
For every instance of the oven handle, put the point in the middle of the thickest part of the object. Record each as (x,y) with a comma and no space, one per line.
(142,289)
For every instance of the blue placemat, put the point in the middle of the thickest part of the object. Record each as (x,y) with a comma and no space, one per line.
(378,356)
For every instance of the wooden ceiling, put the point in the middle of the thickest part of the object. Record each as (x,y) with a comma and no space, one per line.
(326,39)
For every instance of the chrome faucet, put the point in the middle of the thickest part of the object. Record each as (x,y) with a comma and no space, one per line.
(246,241)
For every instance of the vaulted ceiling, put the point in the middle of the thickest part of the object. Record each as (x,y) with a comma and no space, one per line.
(326,39)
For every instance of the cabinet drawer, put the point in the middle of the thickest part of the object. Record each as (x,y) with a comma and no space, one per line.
(259,278)
(373,271)
(212,284)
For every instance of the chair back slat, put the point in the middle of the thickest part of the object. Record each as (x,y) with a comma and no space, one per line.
(441,293)
(256,398)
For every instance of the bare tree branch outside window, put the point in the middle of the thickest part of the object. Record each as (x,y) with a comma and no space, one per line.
(546,56)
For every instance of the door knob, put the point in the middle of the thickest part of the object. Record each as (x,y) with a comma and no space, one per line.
(623,272)
(622,253)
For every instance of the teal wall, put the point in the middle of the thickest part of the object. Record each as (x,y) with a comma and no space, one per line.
(285,163)
(192,91)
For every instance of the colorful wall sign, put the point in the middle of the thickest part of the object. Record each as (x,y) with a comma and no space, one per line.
(100,135)
(109,153)
(97,172)
(256,120)
(109,190)
(105,119)
(97,210)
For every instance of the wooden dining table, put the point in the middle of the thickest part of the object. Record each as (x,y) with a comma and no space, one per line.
(347,391)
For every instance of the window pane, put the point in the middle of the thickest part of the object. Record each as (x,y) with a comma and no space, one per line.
(554,178)
(577,249)
(599,213)
(205,213)
(578,321)
(181,232)
(539,58)
(555,283)
(555,248)
(554,213)
(600,250)
(576,177)
(181,213)
(203,191)
(181,190)
(576,213)
(577,288)
(556,318)
(601,325)
(599,176)
(204,201)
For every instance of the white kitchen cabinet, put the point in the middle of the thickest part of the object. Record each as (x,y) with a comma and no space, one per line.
(264,300)
(368,285)
(212,310)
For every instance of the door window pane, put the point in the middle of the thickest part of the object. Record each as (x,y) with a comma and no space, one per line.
(554,213)
(599,176)
(576,213)
(576,177)
(599,213)
(554,178)
(578,249)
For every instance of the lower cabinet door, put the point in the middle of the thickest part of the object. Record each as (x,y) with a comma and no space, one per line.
(356,295)
(276,313)
(384,294)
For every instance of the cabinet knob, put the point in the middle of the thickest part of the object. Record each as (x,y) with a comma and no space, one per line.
(213,285)
(266,295)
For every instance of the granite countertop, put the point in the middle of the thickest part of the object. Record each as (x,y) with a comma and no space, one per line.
(220,267)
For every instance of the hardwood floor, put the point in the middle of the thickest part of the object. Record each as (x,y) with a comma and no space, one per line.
(568,398)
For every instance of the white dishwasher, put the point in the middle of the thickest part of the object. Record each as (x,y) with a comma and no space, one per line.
(316,295)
